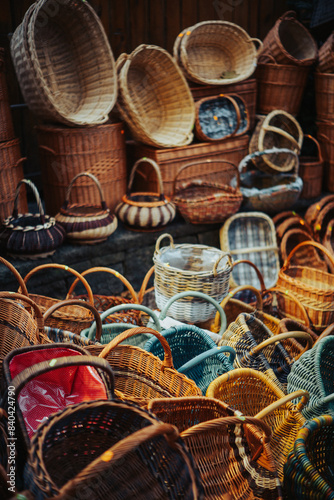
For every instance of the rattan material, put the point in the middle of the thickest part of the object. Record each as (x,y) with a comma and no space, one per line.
(141,376)
(11,174)
(235,461)
(324,96)
(281,130)
(145,210)
(251,236)
(326,56)
(216,53)
(313,287)
(311,170)
(286,221)
(324,216)
(325,137)
(211,198)
(252,393)
(296,347)
(313,210)
(66,152)
(30,236)
(283,304)
(119,459)
(51,43)
(289,42)
(6,122)
(309,470)
(198,268)
(155,115)
(309,257)
(328,239)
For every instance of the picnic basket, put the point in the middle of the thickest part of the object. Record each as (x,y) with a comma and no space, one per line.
(106,446)
(216,53)
(311,169)
(210,198)
(308,472)
(313,287)
(86,223)
(231,451)
(252,393)
(146,211)
(43,53)
(192,267)
(30,236)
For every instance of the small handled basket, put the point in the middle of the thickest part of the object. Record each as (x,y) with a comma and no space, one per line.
(30,236)
(311,170)
(213,197)
(85,223)
(146,211)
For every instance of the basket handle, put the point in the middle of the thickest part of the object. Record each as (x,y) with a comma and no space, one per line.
(168,358)
(38,313)
(279,290)
(326,333)
(17,275)
(217,423)
(201,295)
(49,150)
(250,156)
(302,244)
(94,179)
(38,369)
(256,41)
(34,189)
(65,268)
(155,168)
(110,271)
(124,307)
(21,160)
(77,302)
(282,336)
(283,133)
(289,14)
(317,144)
(237,174)
(159,240)
(304,395)
(205,355)
(266,55)
(257,270)
(143,288)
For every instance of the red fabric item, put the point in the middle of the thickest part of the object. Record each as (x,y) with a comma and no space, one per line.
(55,390)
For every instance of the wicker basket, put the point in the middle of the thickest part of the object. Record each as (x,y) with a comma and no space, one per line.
(279,130)
(30,236)
(289,220)
(313,287)
(325,137)
(311,170)
(145,211)
(313,210)
(86,223)
(289,42)
(185,267)
(6,122)
(326,56)
(211,198)
(58,66)
(66,152)
(216,53)
(324,96)
(304,257)
(252,393)
(251,236)
(155,115)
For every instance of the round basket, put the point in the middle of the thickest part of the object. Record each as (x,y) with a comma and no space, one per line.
(64,64)
(289,42)
(280,130)
(30,235)
(216,53)
(154,98)
(146,211)
(192,267)
(86,223)
(326,56)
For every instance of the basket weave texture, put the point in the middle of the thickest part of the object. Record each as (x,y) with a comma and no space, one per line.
(6,122)
(324,96)
(11,174)
(326,56)
(311,170)
(64,64)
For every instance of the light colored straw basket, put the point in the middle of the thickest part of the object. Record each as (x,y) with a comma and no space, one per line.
(154,98)
(326,55)
(64,63)
(216,53)
(190,267)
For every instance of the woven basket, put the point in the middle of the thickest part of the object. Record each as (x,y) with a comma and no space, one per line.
(324,96)
(313,287)
(86,223)
(211,198)
(30,236)
(289,42)
(68,151)
(296,347)
(106,446)
(11,174)
(216,53)
(6,122)
(311,170)
(289,220)
(304,257)
(192,267)
(251,236)
(313,210)
(324,216)
(155,115)
(328,239)
(325,137)
(146,211)
(232,452)
(252,393)
(53,42)
(279,130)
(326,56)
(309,470)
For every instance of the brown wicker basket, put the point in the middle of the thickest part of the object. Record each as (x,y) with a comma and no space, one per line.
(289,42)
(311,170)
(290,221)
(304,257)
(324,96)
(11,173)
(68,40)
(155,114)
(6,122)
(326,56)
(313,210)
(325,136)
